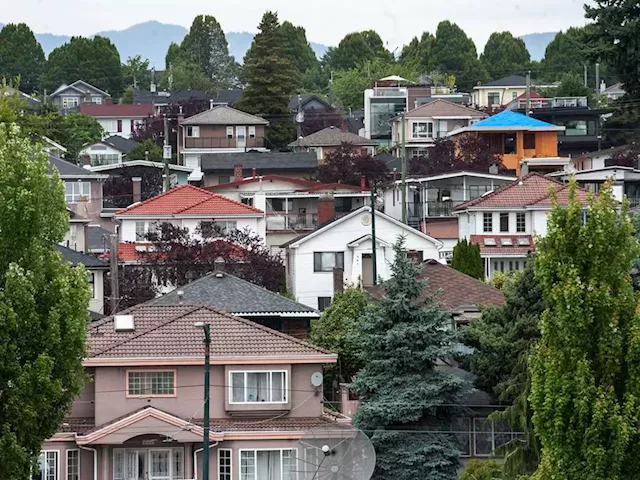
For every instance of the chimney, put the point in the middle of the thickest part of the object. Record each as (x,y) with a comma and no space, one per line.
(219,266)
(237,173)
(493,169)
(363,183)
(326,209)
(211,104)
(136,184)
(255,172)
(152,87)
(180,296)
(108,101)
(603,86)
(180,115)
(338,279)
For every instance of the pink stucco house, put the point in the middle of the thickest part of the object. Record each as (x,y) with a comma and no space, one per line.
(140,417)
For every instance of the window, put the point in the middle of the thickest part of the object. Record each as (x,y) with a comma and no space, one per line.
(73,464)
(178,464)
(493,98)
(141,231)
(422,129)
(529,141)
(226,226)
(419,153)
(258,387)
(514,95)
(224,464)
(156,463)
(75,191)
(97,100)
(48,468)
(487,222)
(224,179)
(489,436)
(462,429)
(252,132)
(521,222)
(510,144)
(266,464)
(193,132)
(416,256)
(229,133)
(504,222)
(119,126)
(327,261)
(323,303)
(151,383)
(92,283)
(69,102)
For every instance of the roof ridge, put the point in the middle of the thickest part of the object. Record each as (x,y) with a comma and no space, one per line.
(225,107)
(148,200)
(227,199)
(500,189)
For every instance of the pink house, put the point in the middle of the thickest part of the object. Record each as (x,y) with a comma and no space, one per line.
(140,416)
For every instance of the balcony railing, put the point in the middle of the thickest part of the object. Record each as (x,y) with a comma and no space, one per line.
(389,92)
(560,102)
(432,209)
(208,142)
(292,221)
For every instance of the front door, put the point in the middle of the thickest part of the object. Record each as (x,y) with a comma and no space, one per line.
(160,465)
(136,465)
(367,270)
(241,137)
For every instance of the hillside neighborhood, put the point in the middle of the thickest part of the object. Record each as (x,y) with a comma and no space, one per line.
(411,264)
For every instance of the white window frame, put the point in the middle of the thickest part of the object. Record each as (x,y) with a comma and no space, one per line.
(224,476)
(96,100)
(486,216)
(193,131)
(46,461)
(91,277)
(75,196)
(67,465)
(429,131)
(226,226)
(70,102)
(521,216)
(285,387)
(147,467)
(230,133)
(322,270)
(153,395)
(293,455)
(252,132)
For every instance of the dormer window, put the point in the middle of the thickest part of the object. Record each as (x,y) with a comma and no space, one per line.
(258,387)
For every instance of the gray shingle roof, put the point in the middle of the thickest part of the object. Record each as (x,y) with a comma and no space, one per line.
(70,170)
(233,295)
(169,97)
(224,115)
(261,161)
(304,99)
(509,81)
(98,238)
(125,145)
(76,258)
(332,137)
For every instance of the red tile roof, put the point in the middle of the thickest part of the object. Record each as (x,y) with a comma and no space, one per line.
(189,200)
(117,111)
(498,249)
(531,190)
(163,331)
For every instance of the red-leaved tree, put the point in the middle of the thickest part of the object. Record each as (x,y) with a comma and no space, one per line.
(118,189)
(626,157)
(346,164)
(316,120)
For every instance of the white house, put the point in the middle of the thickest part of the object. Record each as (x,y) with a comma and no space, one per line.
(111,150)
(122,119)
(502,91)
(505,222)
(346,244)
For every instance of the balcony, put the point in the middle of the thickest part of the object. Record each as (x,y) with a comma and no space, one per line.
(433,209)
(560,102)
(278,221)
(390,92)
(104,159)
(210,142)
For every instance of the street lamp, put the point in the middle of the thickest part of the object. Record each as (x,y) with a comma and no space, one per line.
(205,434)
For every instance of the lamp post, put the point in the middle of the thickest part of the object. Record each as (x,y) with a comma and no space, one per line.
(205,434)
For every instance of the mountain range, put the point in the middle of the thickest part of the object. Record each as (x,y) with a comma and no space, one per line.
(152,39)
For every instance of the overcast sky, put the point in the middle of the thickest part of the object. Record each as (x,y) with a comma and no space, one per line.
(326,21)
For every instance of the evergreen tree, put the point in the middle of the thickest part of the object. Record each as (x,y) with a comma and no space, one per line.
(420,53)
(505,55)
(298,49)
(400,387)
(355,48)
(21,56)
(43,306)
(271,80)
(467,259)
(585,371)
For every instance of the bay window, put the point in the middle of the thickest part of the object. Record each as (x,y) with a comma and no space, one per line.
(75,191)
(258,387)
(48,466)
(266,465)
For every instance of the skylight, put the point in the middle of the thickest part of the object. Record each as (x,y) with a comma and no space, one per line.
(506,242)
(490,242)
(523,242)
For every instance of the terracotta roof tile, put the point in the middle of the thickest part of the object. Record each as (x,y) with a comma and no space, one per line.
(189,200)
(443,108)
(499,249)
(77,425)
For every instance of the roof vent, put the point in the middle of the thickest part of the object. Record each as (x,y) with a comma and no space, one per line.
(123,323)
(180,296)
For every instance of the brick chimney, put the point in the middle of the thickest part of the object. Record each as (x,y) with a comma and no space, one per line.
(237,173)
(326,209)
(108,101)
(136,183)
(219,266)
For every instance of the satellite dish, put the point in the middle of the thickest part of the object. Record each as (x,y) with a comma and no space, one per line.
(316,379)
(333,452)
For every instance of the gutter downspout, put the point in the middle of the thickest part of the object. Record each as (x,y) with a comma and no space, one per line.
(95,459)
(195,460)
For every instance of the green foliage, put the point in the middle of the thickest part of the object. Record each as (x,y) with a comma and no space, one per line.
(585,371)
(127,96)
(95,60)
(271,80)
(402,340)
(482,470)
(571,85)
(499,280)
(297,48)
(505,55)
(419,53)
(43,306)
(334,332)
(78,130)
(21,56)
(356,48)
(136,72)
(146,150)
(185,75)
(467,259)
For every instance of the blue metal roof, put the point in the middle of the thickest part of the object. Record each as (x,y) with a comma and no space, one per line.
(509,119)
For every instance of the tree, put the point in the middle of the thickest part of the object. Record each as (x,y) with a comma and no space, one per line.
(43,306)
(355,48)
(95,60)
(627,157)
(297,48)
(136,72)
(135,286)
(118,189)
(334,332)
(316,120)
(185,75)
(482,470)
(206,47)
(146,150)
(271,80)
(346,164)
(505,55)
(585,379)
(571,85)
(78,130)
(21,56)
(419,52)
(466,259)
(470,152)
(401,340)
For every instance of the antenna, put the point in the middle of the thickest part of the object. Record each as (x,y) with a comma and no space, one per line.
(333,452)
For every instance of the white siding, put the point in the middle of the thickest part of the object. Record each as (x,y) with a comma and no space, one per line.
(128,227)
(96,304)
(393,202)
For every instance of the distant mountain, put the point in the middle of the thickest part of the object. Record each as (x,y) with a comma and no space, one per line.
(152,39)
(537,43)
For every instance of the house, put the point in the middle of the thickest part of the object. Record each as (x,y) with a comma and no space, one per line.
(505,222)
(76,237)
(596,159)
(293,205)
(111,150)
(69,97)
(53,148)
(612,93)
(521,142)
(626,181)
(425,124)
(340,253)
(221,168)
(178,174)
(221,129)
(329,139)
(187,207)
(95,273)
(503,91)
(121,120)
(141,415)
(222,291)
(308,102)
(164,98)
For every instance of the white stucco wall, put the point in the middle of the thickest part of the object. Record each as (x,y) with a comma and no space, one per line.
(481,96)
(128,226)
(109,125)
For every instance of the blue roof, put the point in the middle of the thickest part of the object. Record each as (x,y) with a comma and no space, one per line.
(509,119)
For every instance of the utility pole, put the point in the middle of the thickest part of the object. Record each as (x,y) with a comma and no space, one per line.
(115,281)
(166,156)
(373,235)
(586,83)
(404,168)
(205,424)
(528,92)
(598,134)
